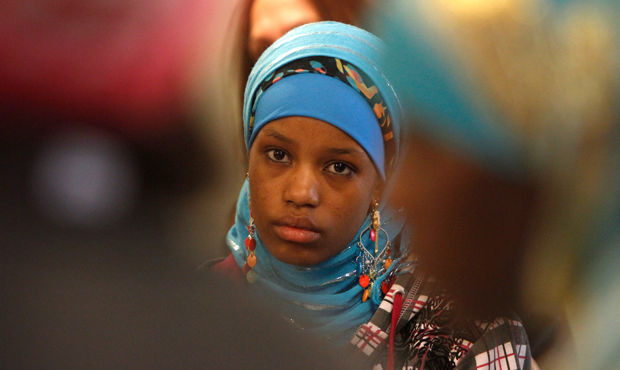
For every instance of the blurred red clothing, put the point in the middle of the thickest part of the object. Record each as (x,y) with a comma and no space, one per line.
(119,64)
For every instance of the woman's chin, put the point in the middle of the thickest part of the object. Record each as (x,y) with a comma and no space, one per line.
(303,255)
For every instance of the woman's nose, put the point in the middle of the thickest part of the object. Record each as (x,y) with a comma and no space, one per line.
(303,188)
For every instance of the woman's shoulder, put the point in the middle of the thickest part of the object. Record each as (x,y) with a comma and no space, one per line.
(502,344)
(223,268)
(467,344)
(430,332)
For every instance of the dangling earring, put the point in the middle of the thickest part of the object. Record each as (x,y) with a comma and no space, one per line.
(250,246)
(371,266)
(376,225)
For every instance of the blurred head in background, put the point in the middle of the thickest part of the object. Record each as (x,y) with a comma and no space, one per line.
(262,22)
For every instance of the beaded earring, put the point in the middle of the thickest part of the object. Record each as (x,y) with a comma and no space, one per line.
(371,266)
(250,246)
(376,225)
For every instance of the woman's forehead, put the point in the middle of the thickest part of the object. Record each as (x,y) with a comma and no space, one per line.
(311,132)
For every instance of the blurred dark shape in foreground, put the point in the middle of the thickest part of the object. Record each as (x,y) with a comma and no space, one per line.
(469,225)
(95,309)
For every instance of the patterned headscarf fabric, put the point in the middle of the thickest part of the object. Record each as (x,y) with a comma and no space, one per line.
(326,298)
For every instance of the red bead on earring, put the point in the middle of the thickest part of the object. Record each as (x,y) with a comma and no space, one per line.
(371,266)
(250,246)
(376,226)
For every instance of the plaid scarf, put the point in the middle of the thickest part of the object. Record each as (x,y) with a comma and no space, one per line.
(429,336)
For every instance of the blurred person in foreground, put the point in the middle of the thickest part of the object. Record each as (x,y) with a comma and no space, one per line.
(510,177)
(313,234)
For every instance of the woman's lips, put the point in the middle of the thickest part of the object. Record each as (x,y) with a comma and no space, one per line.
(299,230)
(296,235)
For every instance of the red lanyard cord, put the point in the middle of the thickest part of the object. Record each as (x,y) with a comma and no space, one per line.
(396,308)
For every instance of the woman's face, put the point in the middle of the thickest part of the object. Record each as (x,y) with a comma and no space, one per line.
(311,187)
(271,19)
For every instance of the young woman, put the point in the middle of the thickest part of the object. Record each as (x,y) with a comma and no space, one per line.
(313,233)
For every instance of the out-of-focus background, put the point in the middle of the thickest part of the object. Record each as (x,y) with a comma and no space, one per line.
(113,132)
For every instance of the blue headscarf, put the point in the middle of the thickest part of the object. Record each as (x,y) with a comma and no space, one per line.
(323,97)
(326,298)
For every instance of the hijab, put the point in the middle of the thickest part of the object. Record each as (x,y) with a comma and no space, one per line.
(318,64)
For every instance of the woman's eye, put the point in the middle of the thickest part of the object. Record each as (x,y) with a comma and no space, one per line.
(339,168)
(277,155)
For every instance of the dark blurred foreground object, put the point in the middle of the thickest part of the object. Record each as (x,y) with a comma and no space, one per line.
(102,310)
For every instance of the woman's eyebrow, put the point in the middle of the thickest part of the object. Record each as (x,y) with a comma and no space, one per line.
(278,136)
(347,150)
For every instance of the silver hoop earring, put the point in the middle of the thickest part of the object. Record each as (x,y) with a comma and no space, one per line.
(371,266)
